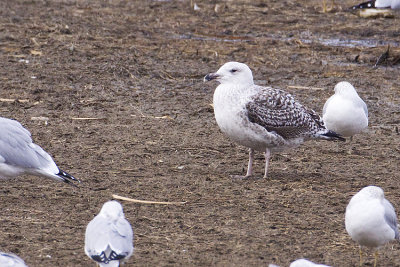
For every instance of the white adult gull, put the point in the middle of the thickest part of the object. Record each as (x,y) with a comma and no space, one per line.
(371,220)
(301,263)
(345,112)
(305,263)
(109,236)
(388,4)
(11,260)
(261,118)
(19,155)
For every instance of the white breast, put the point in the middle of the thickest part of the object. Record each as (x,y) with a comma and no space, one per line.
(344,116)
(366,225)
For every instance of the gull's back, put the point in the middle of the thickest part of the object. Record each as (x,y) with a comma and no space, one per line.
(11,260)
(109,240)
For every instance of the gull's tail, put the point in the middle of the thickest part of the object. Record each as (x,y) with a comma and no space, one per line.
(332,136)
(66,177)
(369,4)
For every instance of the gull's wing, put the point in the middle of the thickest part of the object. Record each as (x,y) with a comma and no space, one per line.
(277,111)
(122,238)
(365,108)
(11,260)
(17,149)
(391,217)
(102,233)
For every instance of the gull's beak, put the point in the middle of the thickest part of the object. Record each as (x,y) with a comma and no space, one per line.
(211,76)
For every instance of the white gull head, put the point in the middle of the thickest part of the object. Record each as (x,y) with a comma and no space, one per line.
(232,73)
(370,192)
(112,210)
(345,89)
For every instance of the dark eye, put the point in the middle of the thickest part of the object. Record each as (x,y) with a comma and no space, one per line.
(234,70)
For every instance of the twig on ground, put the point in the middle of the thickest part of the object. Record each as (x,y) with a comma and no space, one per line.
(146,201)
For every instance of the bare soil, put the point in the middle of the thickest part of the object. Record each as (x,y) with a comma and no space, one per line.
(136,68)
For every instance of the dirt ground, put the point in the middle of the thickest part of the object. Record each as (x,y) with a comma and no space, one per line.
(136,69)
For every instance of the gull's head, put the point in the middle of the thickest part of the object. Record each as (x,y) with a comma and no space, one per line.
(372,192)
(112,210)
(232,73)
(345,88)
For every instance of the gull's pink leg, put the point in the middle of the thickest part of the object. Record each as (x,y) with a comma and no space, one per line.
(267,156)
(250,165)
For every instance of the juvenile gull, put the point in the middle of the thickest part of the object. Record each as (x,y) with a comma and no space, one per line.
(262,118)
(392,4)
(19,155)
(370,219)
(109,236)
(11,260)
(345,112)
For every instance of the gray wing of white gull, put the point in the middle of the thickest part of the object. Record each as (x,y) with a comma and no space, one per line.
(365,108)
(20,154)
(11,260)
(277,111)
(106,241)
(391,217)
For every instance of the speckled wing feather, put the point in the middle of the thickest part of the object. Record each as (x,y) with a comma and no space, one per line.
(277,111)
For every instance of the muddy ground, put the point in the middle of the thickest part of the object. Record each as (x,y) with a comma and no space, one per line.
(136,68)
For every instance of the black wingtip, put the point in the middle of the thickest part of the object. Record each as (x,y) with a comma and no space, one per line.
(369,4)
(334,136)
(67,178)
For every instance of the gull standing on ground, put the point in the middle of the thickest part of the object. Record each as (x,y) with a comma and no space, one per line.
(109,236)
(392,4)
(261,118)
(371,220)
(19,155)
(345,112)
(11,260)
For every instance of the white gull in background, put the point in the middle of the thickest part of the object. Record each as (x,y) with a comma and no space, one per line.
(302,263)
(109,236)
(261,118)
(392,4)
(11,260)
(345,112)
(370,219)
(305,263)
(19,155)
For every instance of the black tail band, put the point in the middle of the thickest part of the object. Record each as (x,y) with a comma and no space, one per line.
(369,4)
(334,136)
(67,177)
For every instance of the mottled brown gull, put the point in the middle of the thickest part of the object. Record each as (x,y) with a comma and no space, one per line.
(262,118)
